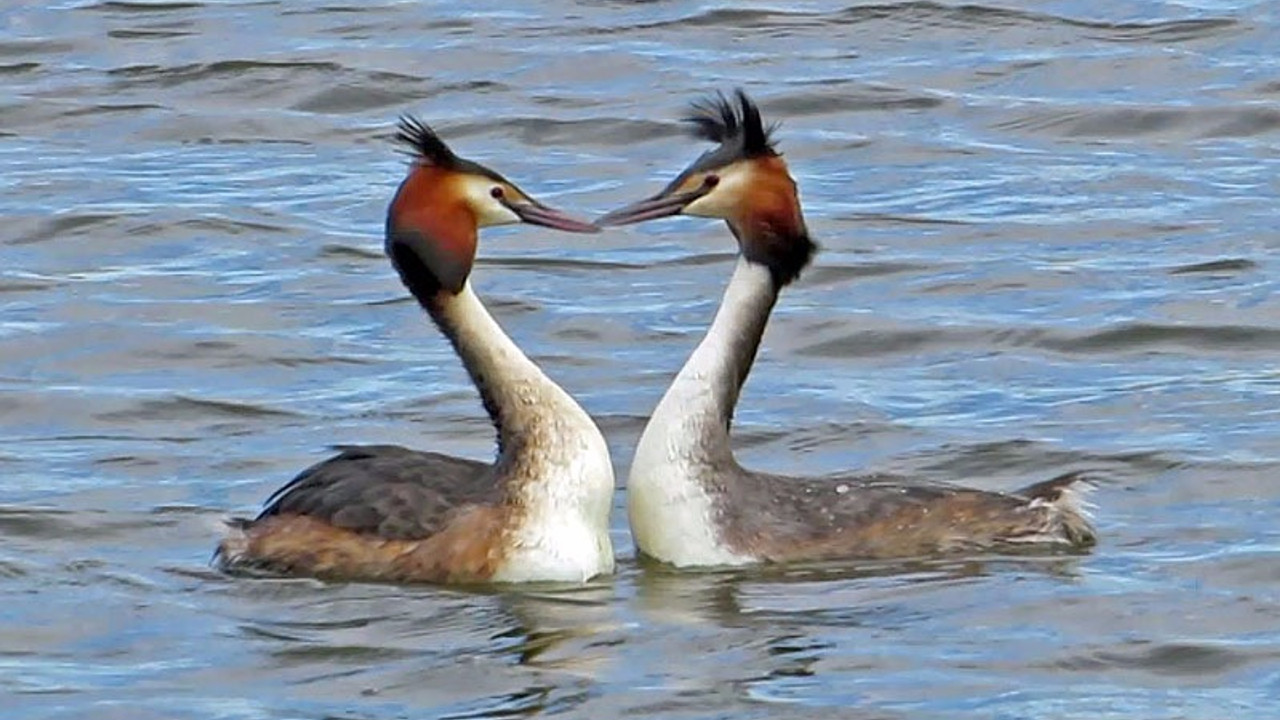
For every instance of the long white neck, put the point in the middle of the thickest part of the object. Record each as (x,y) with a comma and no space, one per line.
(684,457)
(552,460)
(518,396)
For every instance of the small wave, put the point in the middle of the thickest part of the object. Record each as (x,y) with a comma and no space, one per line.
(329,9)
(371,90)
(699,259)
(335,250)
(1136,337)
(1224,266)
(127,461)
(222,354)
(103,108)
(899,219)
(185,408)
(939,15)
(198,129)
(873,343)
(835,274)
(867,99)
(166,76)
(962,17)
(594,331)
(538,132)
(987,17)
(1178,658)
(1021,461)
(71,224)
(17,68)
(731,17)
(561,263)
(141,34)
(511,306)
(19,285)
(210,224)
(26,48)
(142,7)
(352,98)
(301,653)
(51,523)
(1148,336)
(1169,31)
(1162,123)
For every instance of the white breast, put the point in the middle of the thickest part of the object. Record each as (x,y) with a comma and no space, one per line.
(673,519)
(564,536)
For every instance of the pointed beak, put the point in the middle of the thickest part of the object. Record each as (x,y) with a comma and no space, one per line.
(538,214)
(659,206)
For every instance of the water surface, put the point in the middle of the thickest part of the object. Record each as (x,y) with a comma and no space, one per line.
(1048,235)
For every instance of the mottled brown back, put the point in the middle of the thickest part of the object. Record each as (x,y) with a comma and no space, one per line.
(385,490)
(783,519)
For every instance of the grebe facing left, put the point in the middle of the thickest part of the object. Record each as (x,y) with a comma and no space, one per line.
(690,503)
(539,512)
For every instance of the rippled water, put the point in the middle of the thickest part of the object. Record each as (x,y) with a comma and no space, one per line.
(1048,230)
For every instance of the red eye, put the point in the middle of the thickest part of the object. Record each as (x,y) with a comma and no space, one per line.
(711,181)
(496,193)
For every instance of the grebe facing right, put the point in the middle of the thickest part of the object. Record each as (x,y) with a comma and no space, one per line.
(690,503)
(540,512)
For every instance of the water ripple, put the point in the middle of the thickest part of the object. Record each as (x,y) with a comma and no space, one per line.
(1047,236)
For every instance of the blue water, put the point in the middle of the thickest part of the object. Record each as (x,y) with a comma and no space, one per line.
(1048,233)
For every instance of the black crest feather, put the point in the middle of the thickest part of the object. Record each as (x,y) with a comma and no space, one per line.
(738,128)
(423,142)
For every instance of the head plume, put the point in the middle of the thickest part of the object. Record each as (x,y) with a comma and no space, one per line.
(743,181)
(738,129)
(423,143)
(773,232)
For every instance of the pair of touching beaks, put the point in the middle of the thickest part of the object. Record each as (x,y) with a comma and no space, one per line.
(744,157)
(652,208)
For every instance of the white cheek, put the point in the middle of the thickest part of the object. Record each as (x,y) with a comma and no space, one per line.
(713,205)
(488,210)
(495,213)
(723,200)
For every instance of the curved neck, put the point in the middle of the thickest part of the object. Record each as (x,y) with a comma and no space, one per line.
(523,403)
(697,409)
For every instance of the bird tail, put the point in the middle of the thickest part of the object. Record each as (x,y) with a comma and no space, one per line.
(1066,497)
(233,545)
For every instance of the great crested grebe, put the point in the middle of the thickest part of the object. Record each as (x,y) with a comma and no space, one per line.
(540,512)
(690,503)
